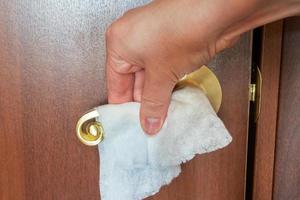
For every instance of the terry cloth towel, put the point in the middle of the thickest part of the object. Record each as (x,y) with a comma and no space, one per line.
(133,165)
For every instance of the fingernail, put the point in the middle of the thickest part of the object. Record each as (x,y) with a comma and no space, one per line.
(152,125)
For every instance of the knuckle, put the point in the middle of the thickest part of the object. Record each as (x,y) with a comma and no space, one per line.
(152,101)
(121,26)
(110,31)
(225,42)
(114,30)
(167,77)
(152,104)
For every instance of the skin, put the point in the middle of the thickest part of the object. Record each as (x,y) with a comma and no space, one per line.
(151,47)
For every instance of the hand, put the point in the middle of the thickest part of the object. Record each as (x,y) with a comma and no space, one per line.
(150,48)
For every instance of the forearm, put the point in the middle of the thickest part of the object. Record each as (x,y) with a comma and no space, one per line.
(270,12)
(219,20)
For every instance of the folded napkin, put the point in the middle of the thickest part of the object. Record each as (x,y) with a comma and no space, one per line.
(133,165)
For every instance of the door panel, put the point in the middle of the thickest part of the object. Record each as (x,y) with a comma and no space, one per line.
(287,163)
(266,125)
(52,71)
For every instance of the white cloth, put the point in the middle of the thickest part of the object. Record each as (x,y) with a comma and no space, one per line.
(133,165)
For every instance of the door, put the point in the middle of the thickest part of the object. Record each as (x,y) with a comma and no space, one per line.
(287,164)
(52,71)
(277,163)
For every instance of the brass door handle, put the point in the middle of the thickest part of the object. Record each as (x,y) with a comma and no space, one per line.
(91,132)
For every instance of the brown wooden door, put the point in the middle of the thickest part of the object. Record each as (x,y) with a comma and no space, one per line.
(277,164)
(287,165)
(52,71)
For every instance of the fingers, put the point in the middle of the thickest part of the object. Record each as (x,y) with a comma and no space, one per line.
(120,81)
(138,85)
(155,101)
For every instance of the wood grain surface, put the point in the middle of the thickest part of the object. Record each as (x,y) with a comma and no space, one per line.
(52,71)
(266,127)
(287,165)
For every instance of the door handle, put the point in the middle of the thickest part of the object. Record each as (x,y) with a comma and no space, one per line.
(91,132)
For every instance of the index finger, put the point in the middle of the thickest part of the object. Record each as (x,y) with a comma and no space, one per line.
(120,83)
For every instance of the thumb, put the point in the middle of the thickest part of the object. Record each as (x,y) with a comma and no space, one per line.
(155,101)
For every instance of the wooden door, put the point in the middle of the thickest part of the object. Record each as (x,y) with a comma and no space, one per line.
(277,164)
(52,71)
(287,163)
